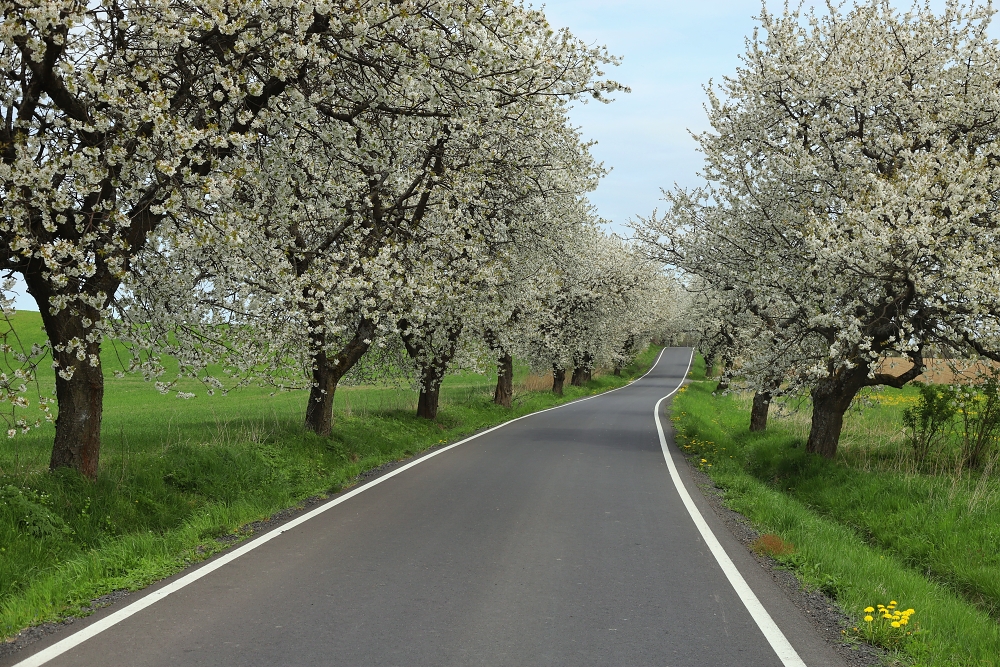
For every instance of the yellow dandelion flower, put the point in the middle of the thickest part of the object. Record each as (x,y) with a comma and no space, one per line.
(895,624)
(869,619)
(893,603)
(904,621)
(869,610)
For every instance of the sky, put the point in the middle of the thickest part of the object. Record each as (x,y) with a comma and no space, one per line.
(670,49)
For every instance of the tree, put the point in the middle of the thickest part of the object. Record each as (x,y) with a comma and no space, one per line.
(118,116)
(123,116)
(850,200)
(601,309)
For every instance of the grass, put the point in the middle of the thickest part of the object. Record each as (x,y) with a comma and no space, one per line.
(177,474)
(867,527)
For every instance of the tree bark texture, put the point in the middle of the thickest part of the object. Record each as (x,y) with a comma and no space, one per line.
(504,394)
(80,397)
(327,373)
(558,379)
(827,423)
(582,370)
(431,372)
(430,395)
(832,396)
(758,413)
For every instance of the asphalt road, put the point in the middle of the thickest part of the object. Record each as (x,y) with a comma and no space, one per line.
(559,539)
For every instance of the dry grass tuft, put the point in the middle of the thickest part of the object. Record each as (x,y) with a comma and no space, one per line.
(534,382)
(771,545)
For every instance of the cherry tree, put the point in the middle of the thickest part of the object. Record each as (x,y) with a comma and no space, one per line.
(600,302)
(123,116)
(114,115)
(850,199)
(319,259)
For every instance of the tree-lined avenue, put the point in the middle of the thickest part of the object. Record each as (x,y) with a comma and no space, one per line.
(558,539)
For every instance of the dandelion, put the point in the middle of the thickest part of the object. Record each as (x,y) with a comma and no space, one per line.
(869,610)
(869,618)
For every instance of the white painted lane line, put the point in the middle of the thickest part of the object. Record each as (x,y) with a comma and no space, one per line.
(117,617)
(773,634)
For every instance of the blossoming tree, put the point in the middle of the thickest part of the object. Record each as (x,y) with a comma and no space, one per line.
(850,200)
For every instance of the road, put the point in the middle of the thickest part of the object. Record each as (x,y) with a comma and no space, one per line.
(558,539)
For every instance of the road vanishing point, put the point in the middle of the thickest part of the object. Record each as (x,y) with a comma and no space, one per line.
(574,537)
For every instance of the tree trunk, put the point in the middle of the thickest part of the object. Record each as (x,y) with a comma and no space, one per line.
(430,393)
(327,373)
(582,370)
(78,424)
(831,398)
(80,396)
(558,379)
(504,394)
(618,370)
(319,410)
(758,414)
(431,371)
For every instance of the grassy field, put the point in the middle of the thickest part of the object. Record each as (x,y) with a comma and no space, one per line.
(177,474)
(868,527)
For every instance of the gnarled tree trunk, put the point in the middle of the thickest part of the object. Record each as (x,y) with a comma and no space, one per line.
(832,397)
(430,393)
(504,394)
(827,422)
(558,379)
(758,413)
(328,371)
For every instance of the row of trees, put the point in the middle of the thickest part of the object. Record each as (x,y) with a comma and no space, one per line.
(850,206)
(279,189)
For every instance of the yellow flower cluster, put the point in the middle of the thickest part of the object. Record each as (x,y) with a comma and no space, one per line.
(896,618)
(893,399)
(886,624)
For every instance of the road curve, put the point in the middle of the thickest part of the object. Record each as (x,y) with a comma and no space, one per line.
(558,539)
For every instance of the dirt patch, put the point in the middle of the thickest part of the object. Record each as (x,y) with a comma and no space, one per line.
(942,371)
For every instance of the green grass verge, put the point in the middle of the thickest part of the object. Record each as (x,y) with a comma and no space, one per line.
(175,475)
(865,529)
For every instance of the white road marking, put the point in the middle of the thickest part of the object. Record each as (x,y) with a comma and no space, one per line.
(776,638)
(117,617)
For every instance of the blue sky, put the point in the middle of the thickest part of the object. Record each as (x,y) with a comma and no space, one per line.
(670,50)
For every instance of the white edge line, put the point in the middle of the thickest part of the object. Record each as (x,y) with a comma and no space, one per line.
(776,638)
(77,638)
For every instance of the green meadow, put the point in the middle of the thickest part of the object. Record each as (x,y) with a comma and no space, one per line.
(869,527)
(176,475)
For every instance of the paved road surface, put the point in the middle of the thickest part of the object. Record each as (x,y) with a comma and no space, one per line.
(557,540)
